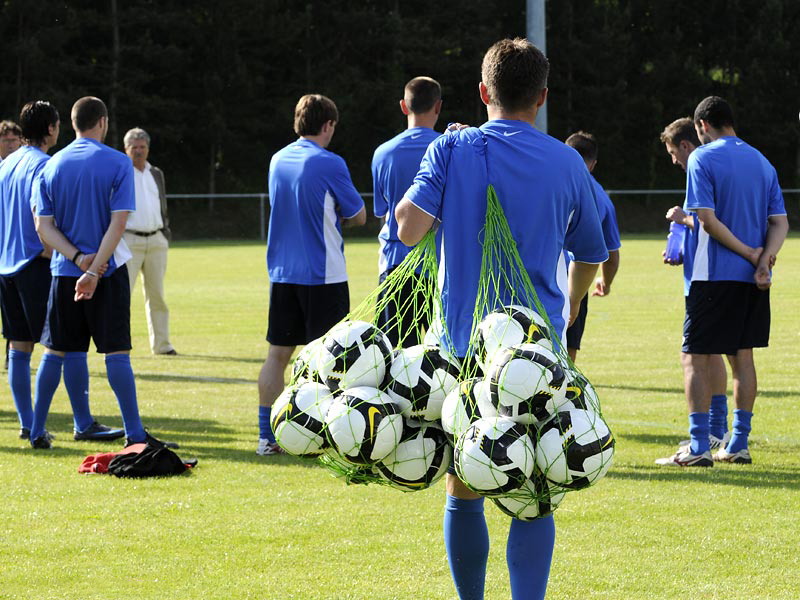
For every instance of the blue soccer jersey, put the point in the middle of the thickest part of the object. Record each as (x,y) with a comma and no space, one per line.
(20,243)
(689,249)
(547,196)
(734,180)
(394,165)
(608,217)
(80,187)
(310,190)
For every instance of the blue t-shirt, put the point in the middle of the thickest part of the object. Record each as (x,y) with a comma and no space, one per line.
(608,217)
(309,191)
(394,165)
(20,243)
(548,200)
(81,186)
(689,249)
(735,181)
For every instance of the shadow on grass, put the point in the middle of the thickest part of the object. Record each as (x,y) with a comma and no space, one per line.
(193,378)
(203,357)
(652,438)
(679,390)
(738,475)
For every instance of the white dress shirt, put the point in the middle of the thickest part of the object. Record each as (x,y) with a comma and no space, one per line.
(147,216)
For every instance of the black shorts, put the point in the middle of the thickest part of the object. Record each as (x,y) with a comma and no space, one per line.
(575,331)
(106,318)
(723,317)
(415,315)
(301,313)
(23,301)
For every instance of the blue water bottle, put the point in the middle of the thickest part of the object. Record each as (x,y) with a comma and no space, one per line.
(674,250)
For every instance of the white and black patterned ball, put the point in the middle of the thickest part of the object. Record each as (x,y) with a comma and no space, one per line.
(298,418)
(434,334)
(465,404)
(575,448)
(494,456)
(526,383)
(364,425)
(507,327)
(579,392)
(306,366)
(420,379)
(537,498)
(421,458)
(355,353)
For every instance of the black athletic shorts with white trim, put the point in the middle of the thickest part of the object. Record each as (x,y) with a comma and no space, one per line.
(723,317)
(575,331)
(23,301)
(105,318)
(299,314)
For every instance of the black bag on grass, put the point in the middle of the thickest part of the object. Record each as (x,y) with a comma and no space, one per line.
(152,461)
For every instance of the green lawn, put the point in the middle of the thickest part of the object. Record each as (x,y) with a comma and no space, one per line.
(243,526)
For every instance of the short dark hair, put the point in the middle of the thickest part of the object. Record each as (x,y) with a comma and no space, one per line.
(36,117)
(680,130)
(585,144)
(87,111)
(312,112)
(7,127)
(421,94)
(514,73)
(714,111)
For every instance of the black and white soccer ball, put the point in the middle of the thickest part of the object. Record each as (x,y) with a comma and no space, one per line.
(494,456)
(306,366)
(579,392)
(537,498)
(575,448)
(434,334)
(465,404)
(355,353)
(526,383)
(421,458)
(420,379)
(298,418)
(364,425)
(507,327)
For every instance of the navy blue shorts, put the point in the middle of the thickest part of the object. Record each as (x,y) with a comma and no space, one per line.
(575,331)
(106,318)
(299,314)
(23,301)
(723,317)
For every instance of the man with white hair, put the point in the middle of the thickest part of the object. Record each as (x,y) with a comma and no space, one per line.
(147,236)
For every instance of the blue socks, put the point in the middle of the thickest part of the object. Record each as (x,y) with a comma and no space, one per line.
(47,379)
(466,539)
(19,380)
(264,428)
(741,429)
(529,553)
(120,377)
(718,416)
(76,380)
(698,431)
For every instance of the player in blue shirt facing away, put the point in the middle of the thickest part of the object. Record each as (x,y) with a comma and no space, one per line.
(548,200)
(83,198)
(394,165)
(680,140)
(25,277)
(735,192)
(585,144)
(311,197)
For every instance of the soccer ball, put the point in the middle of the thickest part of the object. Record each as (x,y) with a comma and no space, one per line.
(509,326)
(364,425)
(433,337)
(421,458)
(537,498)
(298,418)
(420,379)
(575,448)
(306,366)
(526,383)
(466,403)
(494,456)
(355,353)
(579,393)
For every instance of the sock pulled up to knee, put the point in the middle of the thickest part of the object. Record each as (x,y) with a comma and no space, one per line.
(466,539)
(529,554)
(76,380)
(120,377)
(48,377)
(19,380)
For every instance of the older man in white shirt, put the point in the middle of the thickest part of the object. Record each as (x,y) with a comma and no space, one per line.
(146,235)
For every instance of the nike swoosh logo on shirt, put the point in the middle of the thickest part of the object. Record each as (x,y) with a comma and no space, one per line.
(510,133)
(415,136)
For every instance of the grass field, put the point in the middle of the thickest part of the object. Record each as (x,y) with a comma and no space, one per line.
(244,526)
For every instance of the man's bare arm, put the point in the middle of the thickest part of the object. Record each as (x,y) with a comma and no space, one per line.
(581,276)
(777,228)
(608,270)
(720,232)
(412,222)
(87,283)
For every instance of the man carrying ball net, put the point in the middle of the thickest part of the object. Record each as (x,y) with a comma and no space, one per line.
(547,197)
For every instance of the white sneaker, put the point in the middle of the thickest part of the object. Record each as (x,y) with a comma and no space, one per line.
(742,457)
(713,441)
(267,448)
(684,458)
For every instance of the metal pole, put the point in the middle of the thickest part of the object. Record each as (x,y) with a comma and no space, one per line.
(535,21)
(263,214)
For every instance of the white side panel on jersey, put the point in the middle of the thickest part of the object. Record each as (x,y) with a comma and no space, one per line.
(335,269)
(562,279)
(700,267)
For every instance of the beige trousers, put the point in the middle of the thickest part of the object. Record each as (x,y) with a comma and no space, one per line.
(150,257)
